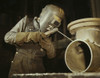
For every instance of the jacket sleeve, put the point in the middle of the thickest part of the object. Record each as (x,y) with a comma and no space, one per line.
(10,37)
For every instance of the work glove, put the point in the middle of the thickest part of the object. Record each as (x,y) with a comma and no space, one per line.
(25,37)
(48,46)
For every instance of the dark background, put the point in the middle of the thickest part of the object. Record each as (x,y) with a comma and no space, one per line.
(11,11)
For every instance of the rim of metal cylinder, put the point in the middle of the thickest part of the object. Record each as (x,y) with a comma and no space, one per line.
(83,22)
(68,47)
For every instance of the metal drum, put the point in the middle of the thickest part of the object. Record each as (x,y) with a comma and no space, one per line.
(86,29)
(83,54)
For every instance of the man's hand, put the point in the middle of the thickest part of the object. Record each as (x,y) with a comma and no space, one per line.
(35,36)
(48,46)
(25,37)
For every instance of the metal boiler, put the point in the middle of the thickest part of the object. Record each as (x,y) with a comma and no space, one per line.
(83,53)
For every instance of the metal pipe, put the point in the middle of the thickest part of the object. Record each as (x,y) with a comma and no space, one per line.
(86,32)
(82,56)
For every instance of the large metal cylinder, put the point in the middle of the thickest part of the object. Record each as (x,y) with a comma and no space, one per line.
(86,29)
(82,56)
(87,56)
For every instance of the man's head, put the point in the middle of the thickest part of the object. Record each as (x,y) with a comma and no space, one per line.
(50,17)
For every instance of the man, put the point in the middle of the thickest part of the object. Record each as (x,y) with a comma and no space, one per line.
(31,42)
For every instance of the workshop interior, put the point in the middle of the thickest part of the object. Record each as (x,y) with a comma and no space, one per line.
(77,41)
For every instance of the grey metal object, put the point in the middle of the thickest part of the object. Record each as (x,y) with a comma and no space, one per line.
(86,31)
(57,75)
(56,30)
(82,56)
(65,36)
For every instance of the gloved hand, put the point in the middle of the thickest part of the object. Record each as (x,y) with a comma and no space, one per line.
(24,37)
(48,46)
